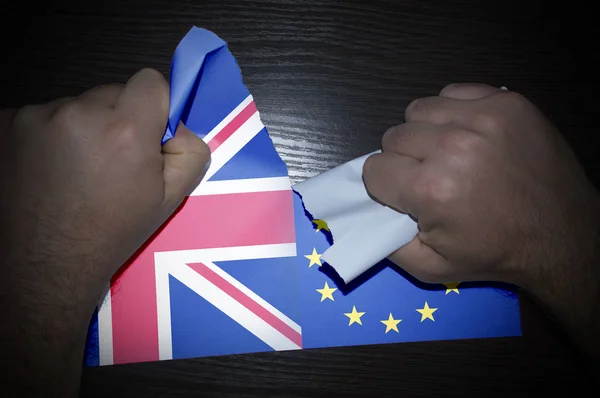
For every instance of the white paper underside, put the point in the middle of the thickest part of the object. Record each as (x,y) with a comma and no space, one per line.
(364,231)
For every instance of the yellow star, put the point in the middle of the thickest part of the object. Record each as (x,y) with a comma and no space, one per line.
(391,323)
(314,258)
(452,287)
(327,292)
(426,312)
(354,316)
(321,224)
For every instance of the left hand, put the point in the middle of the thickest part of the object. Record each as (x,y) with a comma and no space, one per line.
(84,182)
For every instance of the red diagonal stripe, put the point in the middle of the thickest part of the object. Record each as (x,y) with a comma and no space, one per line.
(232,126)
(248,302)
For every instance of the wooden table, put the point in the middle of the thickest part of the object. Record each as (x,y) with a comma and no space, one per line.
(329,76)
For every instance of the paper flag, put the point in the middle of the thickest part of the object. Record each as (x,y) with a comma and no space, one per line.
(364,232)
(238,268)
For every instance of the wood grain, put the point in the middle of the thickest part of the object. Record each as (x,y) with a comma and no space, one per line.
(329,77)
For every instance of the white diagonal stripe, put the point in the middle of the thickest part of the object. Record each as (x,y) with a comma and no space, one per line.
(232,308)
(238,109)
(221,300)
(234,144)
(254,296)
(173,262)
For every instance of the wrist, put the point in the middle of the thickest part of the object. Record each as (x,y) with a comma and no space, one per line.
(44,332)
(563,252)
(567,281)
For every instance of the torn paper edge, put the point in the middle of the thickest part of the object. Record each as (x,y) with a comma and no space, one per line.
(363,231)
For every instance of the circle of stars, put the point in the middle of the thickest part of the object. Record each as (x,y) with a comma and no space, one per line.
(355,316)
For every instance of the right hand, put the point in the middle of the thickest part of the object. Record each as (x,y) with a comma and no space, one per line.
(497,192)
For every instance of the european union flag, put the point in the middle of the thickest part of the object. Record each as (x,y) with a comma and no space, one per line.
(387,305)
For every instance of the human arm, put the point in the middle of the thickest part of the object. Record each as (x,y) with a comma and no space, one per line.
(499,196)
(85,181)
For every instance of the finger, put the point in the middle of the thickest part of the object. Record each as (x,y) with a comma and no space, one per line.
(186,159)
(387,177)
(34,115)
(52,107)
(422,262)
(468,91)
(416,140)
(145,100)
(106,95)
(438,110)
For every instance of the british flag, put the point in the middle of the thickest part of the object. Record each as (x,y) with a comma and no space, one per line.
(217,277)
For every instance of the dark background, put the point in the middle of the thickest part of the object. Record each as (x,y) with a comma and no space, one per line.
(329,77)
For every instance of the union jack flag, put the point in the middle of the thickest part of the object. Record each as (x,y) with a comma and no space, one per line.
(233,235)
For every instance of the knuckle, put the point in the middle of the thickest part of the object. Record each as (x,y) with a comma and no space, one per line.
(460,143)
(434,188)
(155,78)
(66,117)
(420,105)
(489,122)
(124,137)
(449,88)
(393,138)
(26,115)
(428,108)
(199,148)
(494,122)
(410,109)
(158,86)
(124,131)
(150,73)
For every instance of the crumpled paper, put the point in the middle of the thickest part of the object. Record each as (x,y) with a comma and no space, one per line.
(364,231)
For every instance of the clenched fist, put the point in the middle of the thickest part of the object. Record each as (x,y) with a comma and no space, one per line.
(498,195)
(85,181)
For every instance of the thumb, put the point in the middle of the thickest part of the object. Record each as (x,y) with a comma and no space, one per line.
(186,159)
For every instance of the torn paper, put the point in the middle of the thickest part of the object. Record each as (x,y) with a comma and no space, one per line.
(364,231)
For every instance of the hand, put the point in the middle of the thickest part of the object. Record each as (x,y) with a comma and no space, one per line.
(498,196)
(497,193)
(85,182)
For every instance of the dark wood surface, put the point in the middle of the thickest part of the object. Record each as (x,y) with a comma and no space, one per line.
(329,77)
